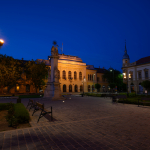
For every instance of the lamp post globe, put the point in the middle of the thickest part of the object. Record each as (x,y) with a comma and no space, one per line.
(1,43)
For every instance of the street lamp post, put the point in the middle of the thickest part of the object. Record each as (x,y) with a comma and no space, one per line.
(83,86)
(93,82)
(112,70)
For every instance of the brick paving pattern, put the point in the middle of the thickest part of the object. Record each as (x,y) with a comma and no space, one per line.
(83,123)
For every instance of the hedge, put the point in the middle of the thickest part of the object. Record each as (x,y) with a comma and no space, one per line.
(4,106)
(21,113)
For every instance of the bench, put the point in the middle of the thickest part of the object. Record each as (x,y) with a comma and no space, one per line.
(31,103)
(144,100)
(39,106)
(118,97)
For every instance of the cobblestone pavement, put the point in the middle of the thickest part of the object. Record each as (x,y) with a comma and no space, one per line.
(90,123)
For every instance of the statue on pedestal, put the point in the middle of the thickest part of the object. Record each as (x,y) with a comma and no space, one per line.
(54,51)
(56,73)
(53,90)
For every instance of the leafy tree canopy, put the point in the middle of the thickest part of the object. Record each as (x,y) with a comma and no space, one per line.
(114,78)
(146,84)
(97,86)
(36,72)
(10,71)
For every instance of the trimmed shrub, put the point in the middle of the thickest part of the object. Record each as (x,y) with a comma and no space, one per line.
(5,106)
(21,113)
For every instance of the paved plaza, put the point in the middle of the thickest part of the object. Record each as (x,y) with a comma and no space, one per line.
(91,123)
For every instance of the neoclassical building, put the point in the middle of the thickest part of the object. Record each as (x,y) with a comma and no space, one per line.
(136,72)
(76,76)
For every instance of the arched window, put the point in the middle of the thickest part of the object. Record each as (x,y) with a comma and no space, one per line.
(90,77)
(69,75)
(76,88)
(81,88)
(64,88)
(75,75)
(80,75)
(58,74)
(88,88)
(27,88)
(70,88)
(64,74)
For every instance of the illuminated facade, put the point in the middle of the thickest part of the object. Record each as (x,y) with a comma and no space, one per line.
(136,72)
(76,76)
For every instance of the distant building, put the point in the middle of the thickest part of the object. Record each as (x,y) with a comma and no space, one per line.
(136,72)
(76,76)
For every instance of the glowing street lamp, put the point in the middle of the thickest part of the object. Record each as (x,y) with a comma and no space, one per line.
(1,43)
(93,82)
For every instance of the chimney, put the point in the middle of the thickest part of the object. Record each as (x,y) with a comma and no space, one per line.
(103,68)
(99,66)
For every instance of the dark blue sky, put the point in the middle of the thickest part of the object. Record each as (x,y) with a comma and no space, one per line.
(94,30)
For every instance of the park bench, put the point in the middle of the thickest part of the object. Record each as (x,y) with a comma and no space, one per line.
(144,100)
(118,97)
(31,103)
(39,106)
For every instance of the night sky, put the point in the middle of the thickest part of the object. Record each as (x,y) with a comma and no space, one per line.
(94,30)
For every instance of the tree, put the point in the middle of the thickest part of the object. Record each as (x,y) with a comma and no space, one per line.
(97,86)
(115,77)
(146,85)
(10,71)
(112,85)
(36,72)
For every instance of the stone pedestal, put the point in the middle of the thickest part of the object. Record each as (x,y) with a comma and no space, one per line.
(52,90)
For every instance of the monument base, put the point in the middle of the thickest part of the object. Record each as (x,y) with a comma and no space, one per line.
(53,91)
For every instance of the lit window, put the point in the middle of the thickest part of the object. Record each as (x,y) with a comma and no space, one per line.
(146,74)
(75,75)
(124,75)
(17,88)
(69,75)
(129,75)
(140,75)
(80,75)
(64,74)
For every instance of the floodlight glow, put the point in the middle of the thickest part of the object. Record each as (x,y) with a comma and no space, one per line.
(1,41)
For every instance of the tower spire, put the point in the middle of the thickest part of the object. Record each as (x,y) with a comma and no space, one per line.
(125,47)
(125,56)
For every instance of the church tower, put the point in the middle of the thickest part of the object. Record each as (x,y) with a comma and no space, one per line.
(126,59)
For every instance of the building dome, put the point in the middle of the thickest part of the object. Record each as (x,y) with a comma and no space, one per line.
(125,56)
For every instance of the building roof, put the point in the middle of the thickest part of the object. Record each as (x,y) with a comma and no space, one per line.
(143,60)
(100,70)
(90,67)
